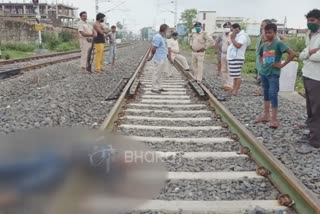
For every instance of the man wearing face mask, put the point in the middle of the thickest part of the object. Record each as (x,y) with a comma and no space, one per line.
(199,42)
(222,44)
(311,75)
(99,42)
(174,50)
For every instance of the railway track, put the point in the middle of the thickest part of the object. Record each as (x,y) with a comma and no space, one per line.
(215,164)
(14,67)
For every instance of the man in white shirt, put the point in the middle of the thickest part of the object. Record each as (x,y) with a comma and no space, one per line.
(311,75)
(86,33)
(236,55)
(112,45)
(174,50)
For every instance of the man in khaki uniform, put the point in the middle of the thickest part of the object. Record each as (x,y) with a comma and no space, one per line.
(199,42)
(86,33)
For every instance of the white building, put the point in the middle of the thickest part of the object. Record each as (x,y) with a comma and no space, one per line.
(223,19)
(213,24)
(208,20)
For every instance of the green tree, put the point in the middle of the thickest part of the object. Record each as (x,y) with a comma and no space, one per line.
(119,25)
(244,24)
(187,18)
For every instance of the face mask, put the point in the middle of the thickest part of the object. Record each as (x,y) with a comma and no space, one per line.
(198,29)
(226,30)
(313,27)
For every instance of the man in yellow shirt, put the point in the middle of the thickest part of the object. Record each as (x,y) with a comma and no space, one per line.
(174,51)
(199,42)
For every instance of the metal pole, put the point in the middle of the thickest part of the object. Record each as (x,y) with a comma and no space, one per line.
(57,10)
(39,20)
(176,14)
(97,7)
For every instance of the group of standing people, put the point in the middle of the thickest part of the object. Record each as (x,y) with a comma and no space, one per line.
(269,51)
(231,49)
(96,36)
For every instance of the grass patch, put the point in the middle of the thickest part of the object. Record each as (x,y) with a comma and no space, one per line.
(19,46)
(60,42)
(15,54)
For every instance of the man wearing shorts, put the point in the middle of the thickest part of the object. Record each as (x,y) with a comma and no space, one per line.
(236,55)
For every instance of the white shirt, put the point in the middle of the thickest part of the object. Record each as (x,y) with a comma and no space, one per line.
(311,68)
(174,46)
(238,53)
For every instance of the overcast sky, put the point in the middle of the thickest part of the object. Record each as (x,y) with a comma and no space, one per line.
(143,12)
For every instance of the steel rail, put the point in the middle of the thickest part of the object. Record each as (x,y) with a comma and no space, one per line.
(15,71)
(25,59)
(303,201)
(108,124)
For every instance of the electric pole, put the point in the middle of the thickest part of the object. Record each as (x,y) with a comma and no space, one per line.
(38,18)
(176,13)
(97,7)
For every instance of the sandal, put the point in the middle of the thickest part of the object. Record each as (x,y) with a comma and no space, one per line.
(262,120)
(274,124)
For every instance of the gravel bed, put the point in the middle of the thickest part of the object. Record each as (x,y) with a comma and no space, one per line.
(179,164)
(256,210)
(247,189)
(174,134)
(60,95)
(195,147)
(281,142)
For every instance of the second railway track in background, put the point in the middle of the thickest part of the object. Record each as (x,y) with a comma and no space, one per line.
(215,164)
(9,68)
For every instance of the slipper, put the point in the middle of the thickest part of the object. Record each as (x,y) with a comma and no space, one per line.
(274,124)
(262,120)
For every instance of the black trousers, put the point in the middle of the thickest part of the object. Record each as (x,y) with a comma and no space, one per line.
(312,88)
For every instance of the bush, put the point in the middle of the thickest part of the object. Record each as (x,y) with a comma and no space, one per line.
(67,46)
(51,40)
(297,44)
(19,46)
(65,36)
(250,56)
(249,68)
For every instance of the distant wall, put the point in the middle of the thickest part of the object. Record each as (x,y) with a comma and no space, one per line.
(19,29)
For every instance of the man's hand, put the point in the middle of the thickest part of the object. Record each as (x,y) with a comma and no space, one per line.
(149,58)
(277,65)
(233,36)
(313,51)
